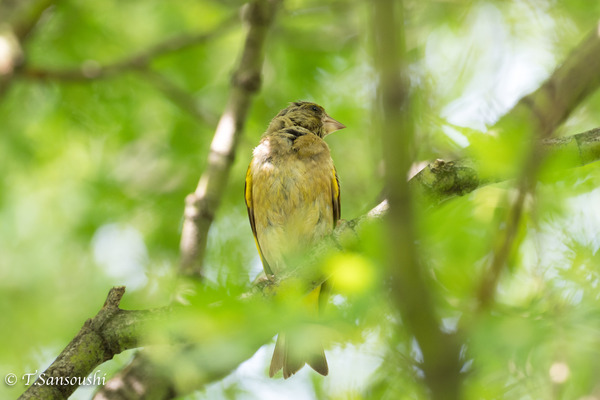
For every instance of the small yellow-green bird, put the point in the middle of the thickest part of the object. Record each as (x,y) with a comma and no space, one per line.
(293,198)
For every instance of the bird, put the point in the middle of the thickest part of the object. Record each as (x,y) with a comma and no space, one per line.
(292,194)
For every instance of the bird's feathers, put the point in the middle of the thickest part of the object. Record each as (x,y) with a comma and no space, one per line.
(292,194)
(250,208)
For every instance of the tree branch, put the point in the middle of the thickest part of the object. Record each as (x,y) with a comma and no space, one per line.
(577,150)
(110,332)
(202,204)
(541,112)
(115,330)
(549,106)
(140,60)
(442,180)
(180,97)
(142,378)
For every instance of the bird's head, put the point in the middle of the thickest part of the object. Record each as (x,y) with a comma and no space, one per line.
(308,115)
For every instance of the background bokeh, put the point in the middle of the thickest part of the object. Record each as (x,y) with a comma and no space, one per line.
(95,171)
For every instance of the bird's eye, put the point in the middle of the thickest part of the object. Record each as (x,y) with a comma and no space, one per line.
(315,108)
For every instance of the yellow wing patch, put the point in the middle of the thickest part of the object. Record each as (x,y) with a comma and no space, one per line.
(335,192)
(250,208)
(248,189)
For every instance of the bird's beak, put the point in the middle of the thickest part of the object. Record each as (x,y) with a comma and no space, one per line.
(331,125)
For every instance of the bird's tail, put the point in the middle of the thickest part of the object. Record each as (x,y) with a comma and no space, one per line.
(292,352)
(295,348)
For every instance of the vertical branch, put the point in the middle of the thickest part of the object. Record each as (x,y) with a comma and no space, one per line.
(202,204)
(410,287)
(504,243)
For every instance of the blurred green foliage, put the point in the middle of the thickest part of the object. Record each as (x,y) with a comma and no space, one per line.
(111,160)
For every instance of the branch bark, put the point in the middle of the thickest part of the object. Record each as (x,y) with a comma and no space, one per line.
(202,204)
(110,332)
(442,180)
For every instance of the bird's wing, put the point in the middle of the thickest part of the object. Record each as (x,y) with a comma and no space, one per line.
(337,211)
(250,207)
(335,198)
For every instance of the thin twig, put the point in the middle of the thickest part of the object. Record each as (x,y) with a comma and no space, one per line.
(137,61)
(180,97)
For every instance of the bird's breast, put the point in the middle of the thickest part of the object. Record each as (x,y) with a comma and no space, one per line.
(292,198)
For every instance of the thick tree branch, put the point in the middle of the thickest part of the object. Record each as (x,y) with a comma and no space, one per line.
(110,332)
(577,150)
(202,204)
